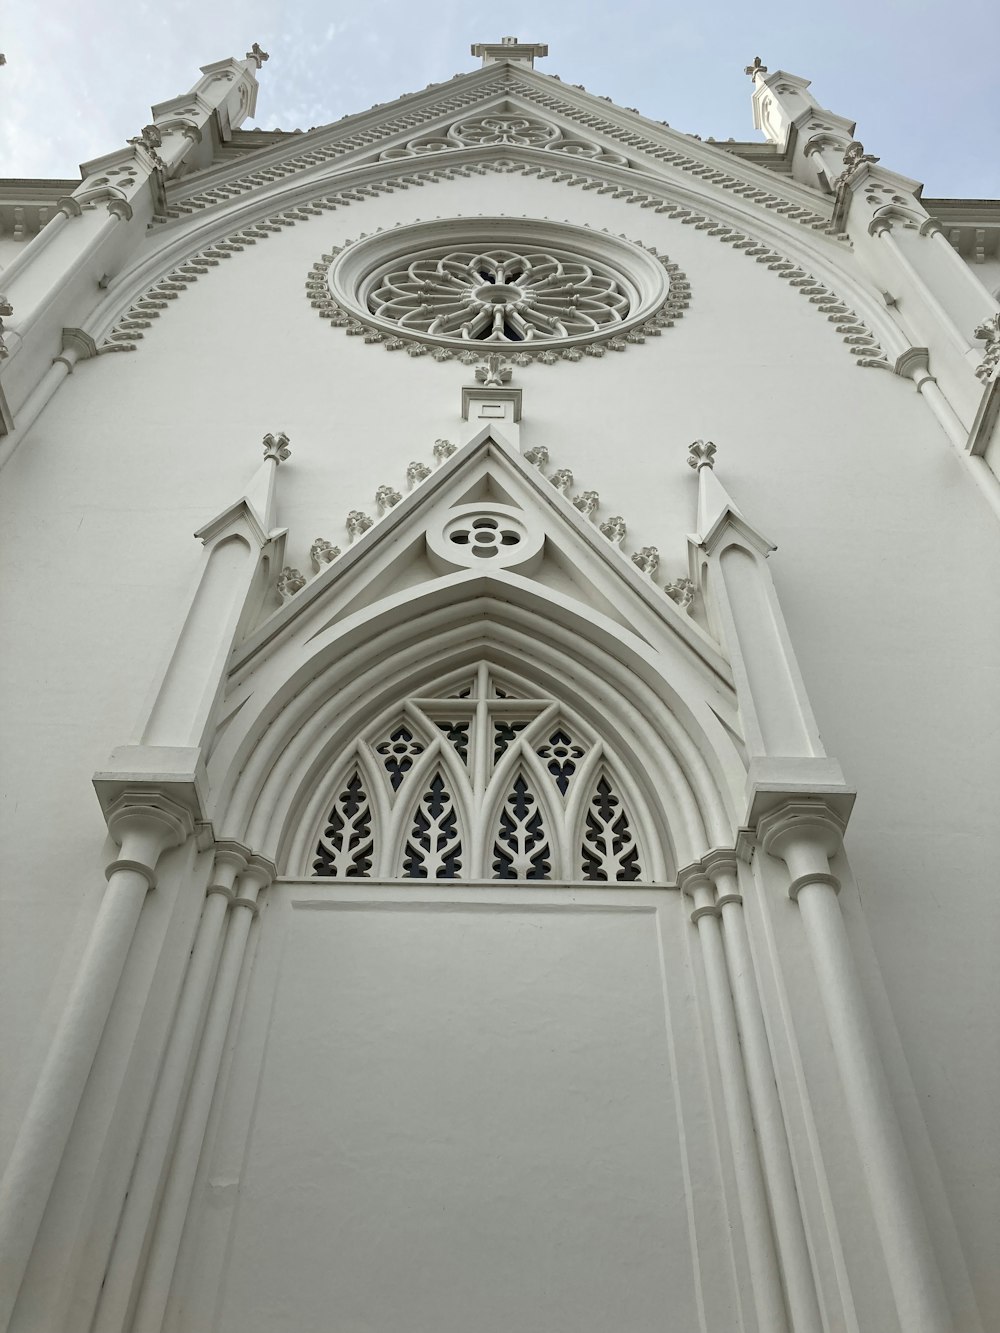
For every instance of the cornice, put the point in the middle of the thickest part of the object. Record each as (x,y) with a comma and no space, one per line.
(200,246)
(351,134)
(624,128)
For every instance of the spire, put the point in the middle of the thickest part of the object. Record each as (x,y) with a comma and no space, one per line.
(715,506)
(261,491)
(255,510)
(509,48)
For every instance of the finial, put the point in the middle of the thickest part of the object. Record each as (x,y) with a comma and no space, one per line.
(509,48)
(257,54)
(276,447)
(148,137)
(758,67)
(494,371)
(701,454)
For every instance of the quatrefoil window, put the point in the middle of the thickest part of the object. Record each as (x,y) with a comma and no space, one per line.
(484,536)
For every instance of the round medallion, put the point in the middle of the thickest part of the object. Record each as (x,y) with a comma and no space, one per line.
(485,537)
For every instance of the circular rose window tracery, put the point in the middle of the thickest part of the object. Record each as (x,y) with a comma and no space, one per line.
(500,295)
(543,289)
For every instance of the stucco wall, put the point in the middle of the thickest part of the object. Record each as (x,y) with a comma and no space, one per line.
(884,567)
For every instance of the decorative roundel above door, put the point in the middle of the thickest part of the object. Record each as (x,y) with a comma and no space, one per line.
(533,289)
(485,537)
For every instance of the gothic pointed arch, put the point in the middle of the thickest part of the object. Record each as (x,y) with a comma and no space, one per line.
(483,776)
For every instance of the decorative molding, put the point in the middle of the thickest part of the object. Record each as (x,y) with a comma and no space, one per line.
(127,329)
(537,95)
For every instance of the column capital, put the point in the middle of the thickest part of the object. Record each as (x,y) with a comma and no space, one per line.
(693,878)
(799,821)
(720,861)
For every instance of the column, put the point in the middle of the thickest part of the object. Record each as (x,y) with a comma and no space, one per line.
(804,833)
(763,1262)
(882,227)
(190,1140)
(796,1265)
(144,824)
(147,1182)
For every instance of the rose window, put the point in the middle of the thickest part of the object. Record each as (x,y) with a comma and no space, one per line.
(544,288)
(500,295)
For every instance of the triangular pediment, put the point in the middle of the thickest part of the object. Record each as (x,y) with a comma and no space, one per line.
(486,524)
(504,110)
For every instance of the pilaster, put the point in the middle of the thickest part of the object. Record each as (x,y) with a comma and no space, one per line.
(806,834)
(144,822)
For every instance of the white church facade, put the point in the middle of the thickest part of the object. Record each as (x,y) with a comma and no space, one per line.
(529,862)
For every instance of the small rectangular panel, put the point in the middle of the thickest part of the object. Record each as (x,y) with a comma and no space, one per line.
(465,1121)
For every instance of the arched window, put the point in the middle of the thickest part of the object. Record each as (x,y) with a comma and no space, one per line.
(479,779)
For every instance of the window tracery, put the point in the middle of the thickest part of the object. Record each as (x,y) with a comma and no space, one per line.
(482,779)
(501,295)
(504,129)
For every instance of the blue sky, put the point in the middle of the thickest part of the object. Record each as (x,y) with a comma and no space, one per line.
(919,78)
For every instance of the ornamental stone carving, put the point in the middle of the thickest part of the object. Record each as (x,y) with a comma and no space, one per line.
(276,447)
(290,581)
(647,558)
(562,479)
(587,502)
(614,529)
(386,497)
(989,332)
(443,449)
(494,372)
(503,129)
(416,473)
(358,523)
(323,553)
(680,591)
(701,454)
(538,456)
(500,295)
(443,287)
